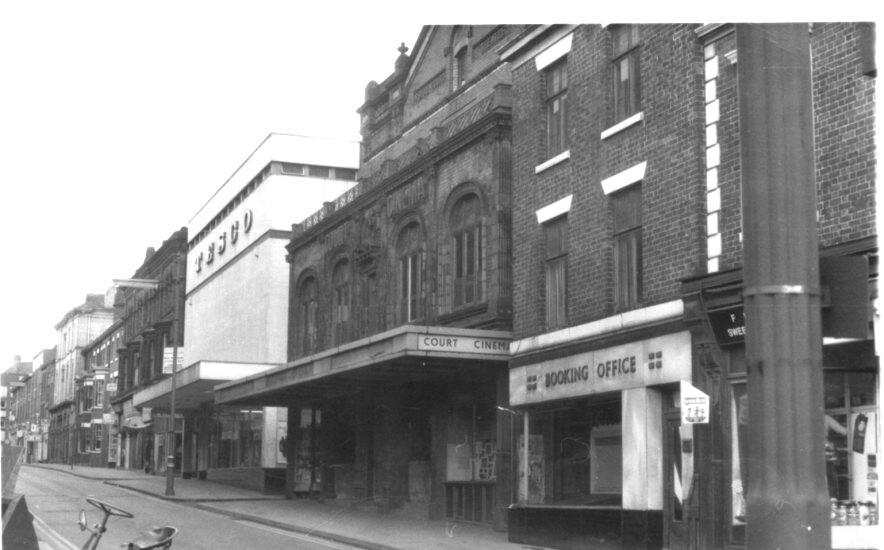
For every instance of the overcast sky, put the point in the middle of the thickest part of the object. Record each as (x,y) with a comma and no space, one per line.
(119,119)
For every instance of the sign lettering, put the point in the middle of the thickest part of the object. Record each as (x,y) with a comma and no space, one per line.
(660,360)
(207,256)
(463,344)
(728,325)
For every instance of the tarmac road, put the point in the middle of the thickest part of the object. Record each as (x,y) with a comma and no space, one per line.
(56,498)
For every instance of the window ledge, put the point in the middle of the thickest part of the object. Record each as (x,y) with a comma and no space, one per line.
(561,157)
(623,124)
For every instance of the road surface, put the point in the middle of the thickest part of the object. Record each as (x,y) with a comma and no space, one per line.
(56,498)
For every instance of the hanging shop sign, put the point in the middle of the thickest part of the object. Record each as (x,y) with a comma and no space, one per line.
(660,360)
(694,404)
(728,325)
(111,387)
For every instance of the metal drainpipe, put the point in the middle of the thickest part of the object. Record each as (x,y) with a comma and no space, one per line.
(787,497)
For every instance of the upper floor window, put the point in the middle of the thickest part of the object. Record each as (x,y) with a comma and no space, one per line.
(627,210)
(556,77)
(149,360)
(341,301)
(459,69)
(98,391)
(626,83)
(466,228)
(135,358)
(555,234)
(307,306)
(410,251)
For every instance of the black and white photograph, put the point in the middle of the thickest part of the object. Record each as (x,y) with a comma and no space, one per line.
(391,276)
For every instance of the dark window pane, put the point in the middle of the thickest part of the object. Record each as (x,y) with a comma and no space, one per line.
(834,384)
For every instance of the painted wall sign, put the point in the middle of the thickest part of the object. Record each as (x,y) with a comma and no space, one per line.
(728,325)
(649,362)
(462,344)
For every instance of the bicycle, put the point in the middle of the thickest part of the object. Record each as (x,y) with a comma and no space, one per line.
(153,539)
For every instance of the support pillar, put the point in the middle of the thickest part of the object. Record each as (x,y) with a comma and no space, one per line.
(293,421)
(787,498)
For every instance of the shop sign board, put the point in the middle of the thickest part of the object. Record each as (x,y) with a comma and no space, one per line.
(728,325)
(111,387)
(694,404)
(108,418)
(168,354)
(463,344)
(660,360)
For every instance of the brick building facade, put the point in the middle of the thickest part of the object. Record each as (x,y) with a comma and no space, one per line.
(98,440)
(627,231)
(76,329)
(146,318)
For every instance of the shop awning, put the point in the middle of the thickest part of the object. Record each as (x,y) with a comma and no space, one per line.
(404,354)
(193,384)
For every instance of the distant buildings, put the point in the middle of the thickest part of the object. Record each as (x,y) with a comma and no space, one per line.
(77,328)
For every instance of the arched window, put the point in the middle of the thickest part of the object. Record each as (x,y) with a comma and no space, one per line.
(410,251)
(466,228)
(341,301)
(307,315)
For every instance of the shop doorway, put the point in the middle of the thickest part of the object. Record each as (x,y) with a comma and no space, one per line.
(677,478)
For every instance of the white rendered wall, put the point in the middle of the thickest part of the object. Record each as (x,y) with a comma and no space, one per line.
(642,449)
(241,314)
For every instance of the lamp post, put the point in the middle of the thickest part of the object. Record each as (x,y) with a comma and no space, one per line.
(170,434)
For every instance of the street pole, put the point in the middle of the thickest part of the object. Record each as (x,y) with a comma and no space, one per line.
(170,445)
(787,496)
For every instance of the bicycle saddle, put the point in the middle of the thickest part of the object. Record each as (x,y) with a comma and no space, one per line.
(157,537)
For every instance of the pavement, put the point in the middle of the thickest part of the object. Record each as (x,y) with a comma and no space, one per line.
(326,519)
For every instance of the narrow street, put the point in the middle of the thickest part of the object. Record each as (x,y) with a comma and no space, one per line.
(56,498)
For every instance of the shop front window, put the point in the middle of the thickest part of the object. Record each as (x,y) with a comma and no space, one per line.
(851,450)
(574,455)
(470,467)
(236,439)
(739,413)
(851,446)
(306,448)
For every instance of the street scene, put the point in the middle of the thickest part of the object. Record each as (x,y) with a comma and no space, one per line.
(565,286)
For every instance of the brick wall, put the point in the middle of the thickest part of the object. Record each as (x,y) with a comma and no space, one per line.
(672,140)
(669,140)
(844,124)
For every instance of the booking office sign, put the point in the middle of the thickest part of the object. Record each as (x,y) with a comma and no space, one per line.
(652,362)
